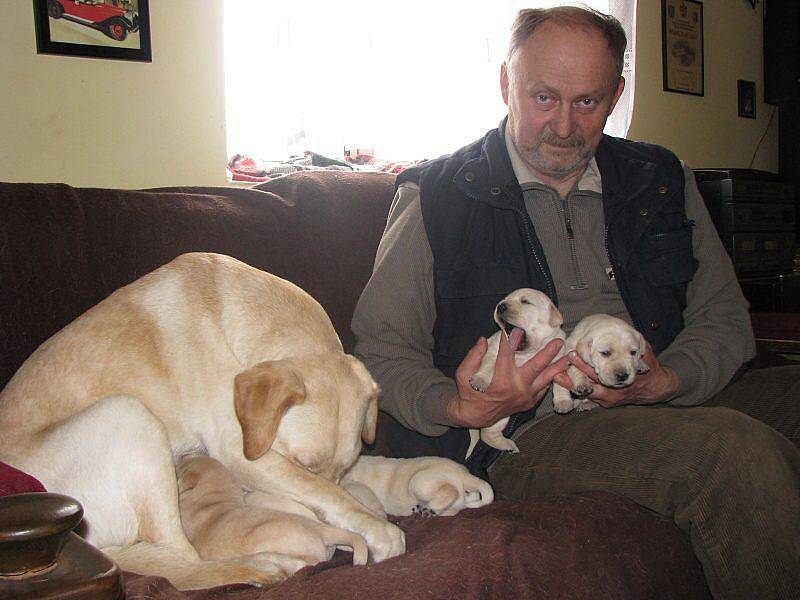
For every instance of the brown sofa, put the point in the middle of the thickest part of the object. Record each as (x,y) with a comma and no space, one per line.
(62,249)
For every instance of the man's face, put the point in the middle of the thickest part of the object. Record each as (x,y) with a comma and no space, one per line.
(560,87)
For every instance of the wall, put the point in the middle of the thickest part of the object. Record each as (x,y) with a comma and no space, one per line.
(707,131)
(124,124)
(109,123)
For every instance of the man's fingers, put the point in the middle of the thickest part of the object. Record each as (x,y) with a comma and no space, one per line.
(558,368)
(582,365)
(542,358)
(472,361)
(562,379)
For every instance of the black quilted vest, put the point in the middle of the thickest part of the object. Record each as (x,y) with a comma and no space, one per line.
(484,246)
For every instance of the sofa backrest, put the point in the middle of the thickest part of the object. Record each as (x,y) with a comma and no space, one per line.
(63,249)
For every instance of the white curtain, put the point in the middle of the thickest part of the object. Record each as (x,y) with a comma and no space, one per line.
(409,81)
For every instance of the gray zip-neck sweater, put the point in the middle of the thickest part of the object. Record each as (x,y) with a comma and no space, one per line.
(394,319)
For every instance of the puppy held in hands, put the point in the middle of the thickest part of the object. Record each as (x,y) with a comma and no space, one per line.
(221,522)
(535,315)
(612,348)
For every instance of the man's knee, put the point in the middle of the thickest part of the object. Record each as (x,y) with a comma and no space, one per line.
(741,444)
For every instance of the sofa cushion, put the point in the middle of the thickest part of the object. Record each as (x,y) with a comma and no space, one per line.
(591,545)
(63,249)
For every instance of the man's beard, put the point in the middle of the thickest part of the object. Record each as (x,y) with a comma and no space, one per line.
(553,166)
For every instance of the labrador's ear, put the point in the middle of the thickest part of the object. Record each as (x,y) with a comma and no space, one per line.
(556,320)
(261,396)
(372,391)
(370,421)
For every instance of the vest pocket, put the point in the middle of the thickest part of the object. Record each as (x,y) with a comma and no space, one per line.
(669,265)
(465,303)
(668,259)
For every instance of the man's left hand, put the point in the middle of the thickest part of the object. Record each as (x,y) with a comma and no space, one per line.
(657,385)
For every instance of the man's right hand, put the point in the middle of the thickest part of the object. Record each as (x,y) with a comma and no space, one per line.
(513,389)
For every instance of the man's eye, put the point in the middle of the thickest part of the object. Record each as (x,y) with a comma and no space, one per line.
(586,102)
(543,98)
(605,353)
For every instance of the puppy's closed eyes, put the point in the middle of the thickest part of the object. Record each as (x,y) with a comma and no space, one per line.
(612,347)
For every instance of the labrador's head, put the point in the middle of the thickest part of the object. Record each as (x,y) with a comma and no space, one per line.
(533,312)
(615,350)
(315,410)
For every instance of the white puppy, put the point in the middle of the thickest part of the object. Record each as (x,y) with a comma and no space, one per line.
(535,314)
(612,347)
(427,486)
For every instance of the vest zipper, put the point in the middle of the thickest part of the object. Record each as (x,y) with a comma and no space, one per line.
(550,288)
(579,284)
(513,420)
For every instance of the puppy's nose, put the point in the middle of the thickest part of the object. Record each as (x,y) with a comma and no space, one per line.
(501,308)
(622,376)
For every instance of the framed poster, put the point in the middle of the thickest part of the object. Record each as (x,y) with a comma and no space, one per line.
(95,28)
(682,46)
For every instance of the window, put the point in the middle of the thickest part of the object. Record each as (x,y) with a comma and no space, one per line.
(409,81)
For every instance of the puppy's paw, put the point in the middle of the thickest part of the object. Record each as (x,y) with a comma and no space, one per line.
(584,405)
(423,511)
(479,383)
(583,389)
(562,405)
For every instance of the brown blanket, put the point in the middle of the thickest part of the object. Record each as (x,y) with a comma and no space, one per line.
(592,545)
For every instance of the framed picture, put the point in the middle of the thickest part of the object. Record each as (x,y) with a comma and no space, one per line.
(95,28)
(747,98)
(682,46)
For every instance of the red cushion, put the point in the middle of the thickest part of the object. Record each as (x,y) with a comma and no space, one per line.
(14,481)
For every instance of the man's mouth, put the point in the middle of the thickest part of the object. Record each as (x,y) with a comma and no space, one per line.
(508,328)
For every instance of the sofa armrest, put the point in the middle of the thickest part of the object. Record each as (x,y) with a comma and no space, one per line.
(42,557)
(33,529)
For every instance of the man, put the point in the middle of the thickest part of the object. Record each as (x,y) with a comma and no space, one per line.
(602,225)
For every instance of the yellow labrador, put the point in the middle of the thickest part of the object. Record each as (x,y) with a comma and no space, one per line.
(535,314)
(220,524)
(612,347)
(203,355)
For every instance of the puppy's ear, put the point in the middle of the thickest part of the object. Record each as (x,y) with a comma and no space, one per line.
(370,422)
(261,396)
(188,475)
(584,349)
(641,366)
(555,320)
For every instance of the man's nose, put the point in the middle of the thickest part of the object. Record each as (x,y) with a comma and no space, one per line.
(563,123)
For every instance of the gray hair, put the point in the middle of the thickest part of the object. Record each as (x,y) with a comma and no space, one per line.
(528,19)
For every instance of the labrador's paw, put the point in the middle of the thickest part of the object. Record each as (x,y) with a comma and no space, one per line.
(384,540)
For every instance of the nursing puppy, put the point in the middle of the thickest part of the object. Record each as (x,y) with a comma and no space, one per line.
(426,486)
(535,314)
(220,524)
(612,347)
